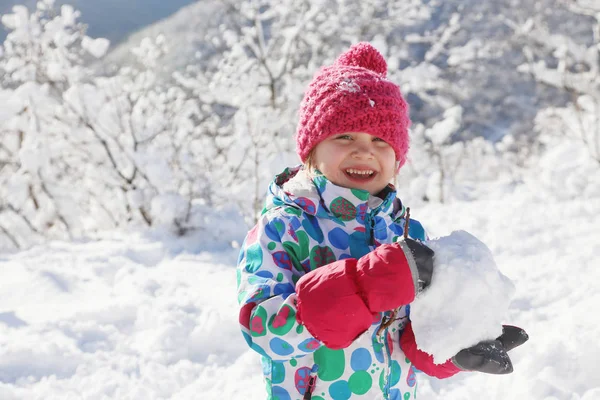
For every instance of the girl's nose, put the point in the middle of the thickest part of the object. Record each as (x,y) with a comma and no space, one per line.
(363,151)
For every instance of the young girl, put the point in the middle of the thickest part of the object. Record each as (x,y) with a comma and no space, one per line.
(325,278)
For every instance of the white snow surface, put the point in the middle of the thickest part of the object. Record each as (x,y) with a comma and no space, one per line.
(467,300)
(143,317)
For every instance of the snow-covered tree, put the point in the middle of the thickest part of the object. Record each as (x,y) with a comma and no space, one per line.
(570,134)
(81,153)
(41,57)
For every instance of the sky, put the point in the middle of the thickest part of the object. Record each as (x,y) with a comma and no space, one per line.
(111,19)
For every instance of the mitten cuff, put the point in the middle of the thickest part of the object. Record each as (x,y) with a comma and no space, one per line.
(412,264)
(424,361)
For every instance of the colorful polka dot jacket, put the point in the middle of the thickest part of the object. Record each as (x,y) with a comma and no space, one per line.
(319,277)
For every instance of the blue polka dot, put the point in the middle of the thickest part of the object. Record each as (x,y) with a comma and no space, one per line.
(248,338)
(295,223)
(361,359)
(283,288)
(397,229)
(338,238)
(358,244)
(280,393)
(395,394)
(311,226)
(380,229)
(275,229)
(264,274)
(416,230)
(340,390)
(309,345)
(259,350)
(361,213)
(281,347)
(260,292)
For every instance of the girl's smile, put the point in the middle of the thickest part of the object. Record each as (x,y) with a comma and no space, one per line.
(356,160)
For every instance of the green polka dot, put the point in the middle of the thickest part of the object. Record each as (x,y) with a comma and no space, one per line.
(360,382)
(293,362)
(382,381)
(279,277)
(258,322)
(271,246)
(241,296)
(406,396)
(298,252)
(238,274)
(282,322)
(372,371)
(318,397)
(254,258)
(277,372)
(320,256)
(395,373)
(331,363)
(299,329)
(293,211)
(361,194)
(343,209)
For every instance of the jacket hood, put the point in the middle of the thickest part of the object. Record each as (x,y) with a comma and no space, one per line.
(316,195)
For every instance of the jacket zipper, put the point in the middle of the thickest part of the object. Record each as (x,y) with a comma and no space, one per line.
(386,371)
(312,382)
(370,225)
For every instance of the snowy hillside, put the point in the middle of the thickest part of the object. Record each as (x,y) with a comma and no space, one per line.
(132,317)
(185,32)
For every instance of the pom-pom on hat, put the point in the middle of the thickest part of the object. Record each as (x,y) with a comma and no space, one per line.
(353,95)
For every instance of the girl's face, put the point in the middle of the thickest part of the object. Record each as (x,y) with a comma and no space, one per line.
(356,160)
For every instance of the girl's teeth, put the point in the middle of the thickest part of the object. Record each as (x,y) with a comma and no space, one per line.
(355,171)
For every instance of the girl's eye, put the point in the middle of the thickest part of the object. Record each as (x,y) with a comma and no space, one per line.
(344,137)
(379,140)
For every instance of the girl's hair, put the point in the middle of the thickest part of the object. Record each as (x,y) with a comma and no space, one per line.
(309,164)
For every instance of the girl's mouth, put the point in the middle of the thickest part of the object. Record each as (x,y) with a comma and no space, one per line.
(360,175)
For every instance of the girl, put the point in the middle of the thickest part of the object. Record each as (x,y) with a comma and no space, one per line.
(325,278)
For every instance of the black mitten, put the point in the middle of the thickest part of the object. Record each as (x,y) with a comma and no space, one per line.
(512,336)
(488,356)
(491,356)
(421,257)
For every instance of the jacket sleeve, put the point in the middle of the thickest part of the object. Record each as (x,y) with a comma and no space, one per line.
(287,310)
(267,276)
(424,361)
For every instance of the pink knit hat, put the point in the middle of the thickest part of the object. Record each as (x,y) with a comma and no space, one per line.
(353,95)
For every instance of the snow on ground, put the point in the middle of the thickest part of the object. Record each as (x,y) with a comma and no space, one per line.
(136,317)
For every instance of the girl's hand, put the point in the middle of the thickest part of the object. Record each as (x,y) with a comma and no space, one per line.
(491,356)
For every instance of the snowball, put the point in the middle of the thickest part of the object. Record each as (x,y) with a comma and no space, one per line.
(467,300)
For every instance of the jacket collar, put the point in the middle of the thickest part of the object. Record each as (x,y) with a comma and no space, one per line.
(318,196)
